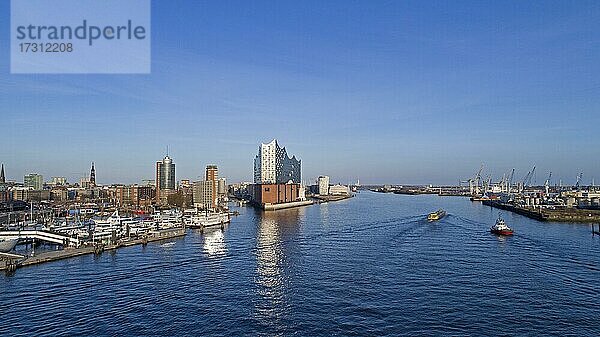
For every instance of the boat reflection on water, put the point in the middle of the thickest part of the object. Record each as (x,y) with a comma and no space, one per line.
(272,270)
(168,244)
(214,242)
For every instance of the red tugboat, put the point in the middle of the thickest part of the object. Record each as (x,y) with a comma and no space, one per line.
(500,228)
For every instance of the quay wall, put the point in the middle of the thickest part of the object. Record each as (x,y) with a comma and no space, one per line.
(275,207)
(557,215)
(331,198)
(74,252)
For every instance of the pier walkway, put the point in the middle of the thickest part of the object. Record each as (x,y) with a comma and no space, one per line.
(41,235)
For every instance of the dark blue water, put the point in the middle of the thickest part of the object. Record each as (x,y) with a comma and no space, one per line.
(369,266)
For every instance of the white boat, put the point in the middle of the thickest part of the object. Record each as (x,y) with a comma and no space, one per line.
(501,228)
(168,219)
(112,221)
(111,228)
(74,228)
(206,219)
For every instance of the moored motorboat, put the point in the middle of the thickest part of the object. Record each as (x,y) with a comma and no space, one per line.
(500,228)
(207,219)
(437,215)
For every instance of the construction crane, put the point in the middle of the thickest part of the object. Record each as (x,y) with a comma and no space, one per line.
(547,183)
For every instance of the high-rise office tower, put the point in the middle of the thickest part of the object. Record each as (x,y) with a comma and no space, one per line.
(323,185)
(165,177)
(34,181)
(2,177)
(212,175)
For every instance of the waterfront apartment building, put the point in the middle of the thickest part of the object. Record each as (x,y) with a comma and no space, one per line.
(165,179)
(184,183)
(273,166)
(59,193)
(85,182)
(135,195)
(58,181)
(323,185)
(202,194)
(212,176)
(30,194)
(221,189)
(5,196)
(34,181)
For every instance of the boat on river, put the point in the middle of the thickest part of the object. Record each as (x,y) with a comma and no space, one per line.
(501,228)
(207,219)
(437,215)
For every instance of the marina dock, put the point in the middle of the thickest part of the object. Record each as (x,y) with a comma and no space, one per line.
(11,262)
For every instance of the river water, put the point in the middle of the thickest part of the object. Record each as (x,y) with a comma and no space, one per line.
(368,266)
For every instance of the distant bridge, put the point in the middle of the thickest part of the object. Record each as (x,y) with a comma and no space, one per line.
(58,239)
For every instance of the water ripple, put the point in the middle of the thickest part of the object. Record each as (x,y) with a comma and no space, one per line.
(369,266)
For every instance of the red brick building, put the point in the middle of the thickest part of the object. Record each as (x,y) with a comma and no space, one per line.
(275,193)
(135,195)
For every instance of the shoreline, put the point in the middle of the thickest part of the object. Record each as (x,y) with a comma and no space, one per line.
(546,215)
(11,261)
(276,207)
(332,198)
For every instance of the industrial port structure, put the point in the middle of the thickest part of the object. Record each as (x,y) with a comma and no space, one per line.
(547,202)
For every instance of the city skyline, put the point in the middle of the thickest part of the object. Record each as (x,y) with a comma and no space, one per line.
(538,178)
(393,93)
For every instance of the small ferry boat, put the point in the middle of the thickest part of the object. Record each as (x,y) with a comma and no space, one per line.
(207,219)
(500,228)
(437,215)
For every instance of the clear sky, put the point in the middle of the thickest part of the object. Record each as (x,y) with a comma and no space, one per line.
(384,91)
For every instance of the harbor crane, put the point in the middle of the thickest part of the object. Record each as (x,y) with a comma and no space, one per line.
(527,179)
(577,184)
(510,180)
(475,182)
(547,183)
(487,183)
(506,181)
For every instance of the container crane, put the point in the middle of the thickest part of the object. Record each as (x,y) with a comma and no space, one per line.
(527,179)
(510,179)
(475,183)
(547,183)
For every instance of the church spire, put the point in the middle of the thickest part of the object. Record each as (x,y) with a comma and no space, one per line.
(2,177)
(93,175)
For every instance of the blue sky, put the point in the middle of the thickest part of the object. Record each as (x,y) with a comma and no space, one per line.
(384,91)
